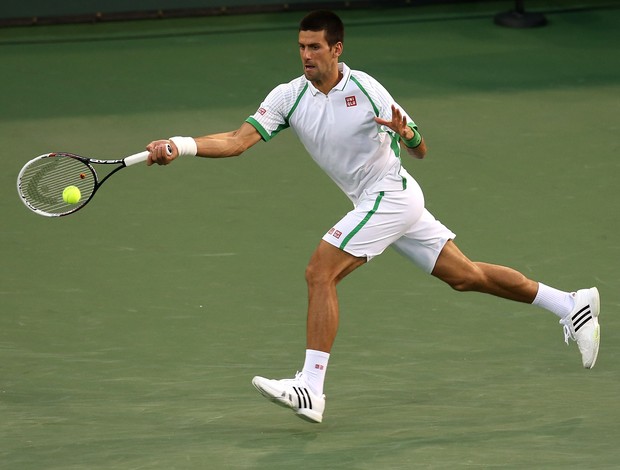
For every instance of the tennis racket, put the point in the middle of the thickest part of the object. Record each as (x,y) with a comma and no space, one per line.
(42,180)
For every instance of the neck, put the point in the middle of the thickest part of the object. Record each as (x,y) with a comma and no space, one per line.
(325,86)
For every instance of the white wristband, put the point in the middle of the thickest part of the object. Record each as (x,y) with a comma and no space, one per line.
(186,145)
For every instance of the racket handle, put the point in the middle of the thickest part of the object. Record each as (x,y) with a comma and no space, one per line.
(136,158)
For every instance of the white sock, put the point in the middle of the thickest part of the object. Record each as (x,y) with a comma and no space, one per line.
(559,302)
(314,370)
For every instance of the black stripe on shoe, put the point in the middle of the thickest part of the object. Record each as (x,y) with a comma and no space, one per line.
(302,394)
(308,395)
(299,397)
(582,317)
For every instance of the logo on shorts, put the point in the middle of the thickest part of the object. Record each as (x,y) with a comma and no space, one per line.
(335,233)
(350,101)
(262,111)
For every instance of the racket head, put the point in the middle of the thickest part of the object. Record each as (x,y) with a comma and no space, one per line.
(42,180)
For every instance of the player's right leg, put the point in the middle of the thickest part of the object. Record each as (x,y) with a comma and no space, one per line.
(304,393)
(377,220)
(294,394)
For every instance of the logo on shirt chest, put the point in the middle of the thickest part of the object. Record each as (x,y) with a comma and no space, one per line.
(350,101)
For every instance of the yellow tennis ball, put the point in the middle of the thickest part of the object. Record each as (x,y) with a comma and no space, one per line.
(71,195)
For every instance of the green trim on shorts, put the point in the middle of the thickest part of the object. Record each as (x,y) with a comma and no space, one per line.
(363,222)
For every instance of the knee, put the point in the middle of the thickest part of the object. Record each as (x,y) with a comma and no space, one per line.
(317,274)
(329,265)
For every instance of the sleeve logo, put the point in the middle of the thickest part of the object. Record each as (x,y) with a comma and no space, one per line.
(335,233)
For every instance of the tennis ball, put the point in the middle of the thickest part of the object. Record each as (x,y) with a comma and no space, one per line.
(71,195)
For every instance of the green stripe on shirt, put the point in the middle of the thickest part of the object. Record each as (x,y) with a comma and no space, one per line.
(375,109)
(261,130)
(290,113)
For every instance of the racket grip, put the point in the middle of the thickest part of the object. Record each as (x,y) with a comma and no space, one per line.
(136,158)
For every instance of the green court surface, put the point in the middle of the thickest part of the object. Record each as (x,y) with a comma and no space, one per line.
(130,332)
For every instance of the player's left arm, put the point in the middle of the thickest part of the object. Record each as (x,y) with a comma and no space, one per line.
(410,137)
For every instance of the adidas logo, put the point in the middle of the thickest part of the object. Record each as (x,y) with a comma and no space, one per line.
(582,317)
(303,397)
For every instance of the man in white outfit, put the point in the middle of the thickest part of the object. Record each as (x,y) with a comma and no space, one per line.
(355,131)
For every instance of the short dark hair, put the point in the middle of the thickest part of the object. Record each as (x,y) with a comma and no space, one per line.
(324,20)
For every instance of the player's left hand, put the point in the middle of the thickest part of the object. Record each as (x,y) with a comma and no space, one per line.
(398,123)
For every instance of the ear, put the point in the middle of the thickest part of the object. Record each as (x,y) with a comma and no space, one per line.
(337,49)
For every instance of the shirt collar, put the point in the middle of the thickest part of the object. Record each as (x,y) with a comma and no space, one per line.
(346,74)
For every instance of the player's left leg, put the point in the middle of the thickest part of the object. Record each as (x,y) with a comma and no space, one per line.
(455,269)
(578,311)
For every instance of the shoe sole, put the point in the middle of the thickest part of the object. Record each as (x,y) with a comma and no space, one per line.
(596,307)
(304,413)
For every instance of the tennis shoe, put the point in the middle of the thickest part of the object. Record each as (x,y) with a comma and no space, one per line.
(581,325)
(293,394)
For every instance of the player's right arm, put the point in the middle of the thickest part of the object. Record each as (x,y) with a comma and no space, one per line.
(226,144)
(269,119)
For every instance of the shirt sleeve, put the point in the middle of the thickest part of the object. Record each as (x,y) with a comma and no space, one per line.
(271,117)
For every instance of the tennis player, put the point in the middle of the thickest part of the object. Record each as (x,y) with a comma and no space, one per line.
(355,131)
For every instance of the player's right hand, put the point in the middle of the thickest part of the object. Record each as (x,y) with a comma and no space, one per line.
(161,152)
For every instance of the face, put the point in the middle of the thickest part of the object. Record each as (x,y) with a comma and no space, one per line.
(320,61)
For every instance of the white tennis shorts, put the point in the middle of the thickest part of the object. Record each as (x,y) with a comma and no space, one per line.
(392,218)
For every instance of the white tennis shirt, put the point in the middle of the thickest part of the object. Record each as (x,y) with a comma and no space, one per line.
(338,129)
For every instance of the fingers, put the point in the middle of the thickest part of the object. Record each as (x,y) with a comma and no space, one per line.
(398,119)
(161,152)
(383,122)
(398,122)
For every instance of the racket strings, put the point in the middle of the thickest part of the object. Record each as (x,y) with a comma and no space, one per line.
(43,181)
